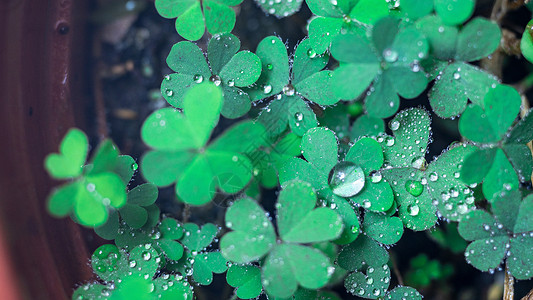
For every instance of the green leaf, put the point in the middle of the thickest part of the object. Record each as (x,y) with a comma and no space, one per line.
(109,230)
(168,129)
(477,165)
(275,69)
(191,24)
(411,128)
(451,196)
(104,159)
(459,81)
(125,167)
(416,9)
(306,62)
(453,12)
(134,215)
(220,50)
(72,155)
(247,280)
(319,147)
(62,199)
(205,264)
(404,292)
(299,221)
(526,42)
(521,133)
(501,105)
(242,70)
(351,79)
(441,37)
(197,239)
(361,253)
(322,31)
(350,219)
(163,168)
(219,17)
(171,229)
(501,177)
(367,125)
(521,262)
(289,265)
(382,228)
(253,234)
(280,9)
(369,11)
(520,157)
(108,262)
(382,101)
(477,39)
(287,110)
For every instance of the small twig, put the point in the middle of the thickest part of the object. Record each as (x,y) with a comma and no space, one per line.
(498,11)
(186,213)
(396,270)
(508,284)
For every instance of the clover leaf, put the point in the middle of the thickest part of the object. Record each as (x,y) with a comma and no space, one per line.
(193,16)
(280,8)
(246,279)
(526,42)
(506,234)
(500,168)
(287,264)
(196,239)
(205,264)
(420,191)
(94,188)
(455,78)
(388,60)
(269,160)
(368,261)
(130,275)
(162,238)
(454,12)
(366,125)
(334,17)
(228,68)
(291,86)
(181,153)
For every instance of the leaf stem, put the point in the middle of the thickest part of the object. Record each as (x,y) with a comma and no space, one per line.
(186,213)
(508,284)
(396,270)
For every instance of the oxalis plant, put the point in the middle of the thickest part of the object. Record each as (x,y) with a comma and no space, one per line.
(310,123)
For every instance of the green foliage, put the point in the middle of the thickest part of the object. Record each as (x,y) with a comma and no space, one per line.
(227,68)
(387,59)
(193,16)
(93,188)
(349,184)
(131,276)
(199,169)
(287,264)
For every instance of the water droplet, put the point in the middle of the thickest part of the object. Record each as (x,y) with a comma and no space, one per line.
(414,188)
(235,158)
(369,280)
(288,90)
(215,79)
(394,125)
(413,210)
(375,176)
(389,141)
(134,166)
(417,162)
(311,53)
(376,292)
(390,55)
(91,187)
(433,176)
(456,75)
(198,78)
(354,229)
(267,89)
(346,179)
(167,77)
(146,255)
(299,116)
(231,82)
(270,67)
(132,264)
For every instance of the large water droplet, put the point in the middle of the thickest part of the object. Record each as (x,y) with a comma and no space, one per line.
(311,53)
(414,188)
(394,125)
(298,116)
(417,162)
(134,166)
(375,176)
(346,179)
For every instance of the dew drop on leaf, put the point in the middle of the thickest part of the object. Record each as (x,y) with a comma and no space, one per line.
(198,78)
(433,176)
(231,82)
(390,55)
(394,125)
(375,176)
(311,53)
(417,162)
(134,166)
(346,179)
(288,90)
(413,210)
(456,75)
(389,141)
(267,89)
(414,188)
(270,67)
(215,79)
(146,255)
(298,116)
